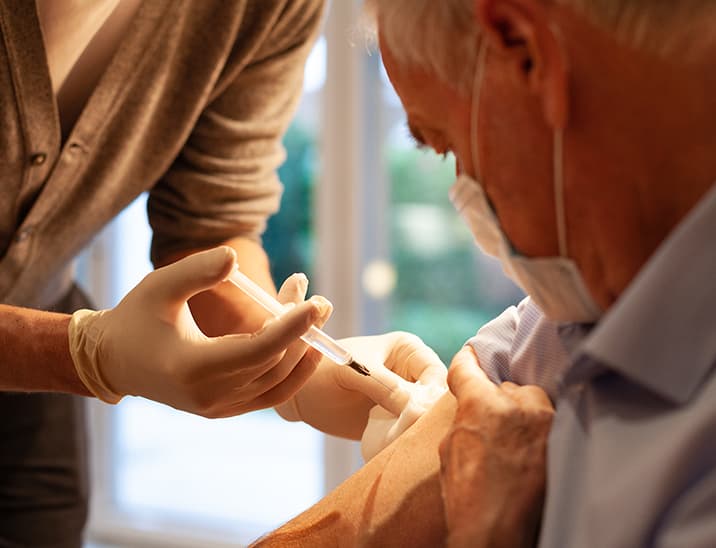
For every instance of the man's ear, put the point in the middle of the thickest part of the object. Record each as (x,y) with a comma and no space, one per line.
(520,30)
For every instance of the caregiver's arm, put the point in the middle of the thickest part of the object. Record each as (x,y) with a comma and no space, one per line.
(394,500)
(35,354)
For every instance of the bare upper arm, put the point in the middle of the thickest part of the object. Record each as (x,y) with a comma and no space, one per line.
(393,500)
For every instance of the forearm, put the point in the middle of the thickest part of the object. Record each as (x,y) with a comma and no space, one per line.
(394,500)
(226,309)
(35,355)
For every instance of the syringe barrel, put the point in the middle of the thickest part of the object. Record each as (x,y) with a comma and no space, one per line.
(256,292)
(327,345)
(319,340)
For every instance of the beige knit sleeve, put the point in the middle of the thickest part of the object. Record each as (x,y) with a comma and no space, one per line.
(224,183)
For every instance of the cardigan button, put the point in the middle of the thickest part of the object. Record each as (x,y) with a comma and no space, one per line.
(38,159)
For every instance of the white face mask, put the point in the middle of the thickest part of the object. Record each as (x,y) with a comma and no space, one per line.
(554,283)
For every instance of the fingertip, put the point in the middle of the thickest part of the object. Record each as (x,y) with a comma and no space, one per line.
(301,281)
(279,333)
(323,308)
(226,262)
(464,357)
(463,368)
(231,252)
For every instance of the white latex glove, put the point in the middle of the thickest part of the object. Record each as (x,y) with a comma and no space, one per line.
(337,400)
(150,346)
(384,427)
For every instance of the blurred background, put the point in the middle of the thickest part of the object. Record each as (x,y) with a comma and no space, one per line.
(367,217)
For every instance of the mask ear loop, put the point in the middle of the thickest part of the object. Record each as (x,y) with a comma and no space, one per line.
(558,174)
(475,108)
(558,168)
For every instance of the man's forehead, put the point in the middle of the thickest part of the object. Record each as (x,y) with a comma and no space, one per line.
(412,85)
(427,101)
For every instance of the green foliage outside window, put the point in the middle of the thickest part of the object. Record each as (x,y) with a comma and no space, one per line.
(442,294)
(288,239)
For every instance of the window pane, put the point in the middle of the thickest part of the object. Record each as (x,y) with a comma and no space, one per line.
(289,237)
(243,475)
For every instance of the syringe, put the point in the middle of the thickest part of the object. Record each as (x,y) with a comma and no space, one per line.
(318,339)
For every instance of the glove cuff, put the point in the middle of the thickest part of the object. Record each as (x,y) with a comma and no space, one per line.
(84,337)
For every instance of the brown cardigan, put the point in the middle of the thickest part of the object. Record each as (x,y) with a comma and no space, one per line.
(191,108)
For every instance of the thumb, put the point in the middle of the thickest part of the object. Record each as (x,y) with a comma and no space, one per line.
(178,282)
(465,377)
(382,386)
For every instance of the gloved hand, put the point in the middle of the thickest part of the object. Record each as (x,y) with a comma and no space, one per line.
(338,400)
(384,427)
(150,346)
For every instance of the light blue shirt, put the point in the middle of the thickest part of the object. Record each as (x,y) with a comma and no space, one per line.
(632,451)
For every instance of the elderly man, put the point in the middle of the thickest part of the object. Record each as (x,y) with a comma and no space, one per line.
(591,128)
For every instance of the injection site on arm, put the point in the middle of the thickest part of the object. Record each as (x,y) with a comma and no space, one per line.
(400,402)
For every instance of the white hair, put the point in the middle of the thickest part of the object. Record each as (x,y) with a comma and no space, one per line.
(417,31)
(417,44)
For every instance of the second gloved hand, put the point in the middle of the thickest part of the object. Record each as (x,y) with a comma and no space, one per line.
(150,346)
(337,400)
